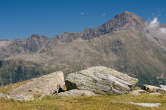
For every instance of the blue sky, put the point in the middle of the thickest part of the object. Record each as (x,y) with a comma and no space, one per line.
(21,18)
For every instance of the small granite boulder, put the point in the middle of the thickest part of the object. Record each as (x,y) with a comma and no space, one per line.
(150,88)
(4,96)
(154,89)
(75,92)
(101,80)
(155,93)
(163,87)
(137,92)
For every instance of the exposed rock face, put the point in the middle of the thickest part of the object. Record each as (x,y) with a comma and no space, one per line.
(4,43)
(45,85)
(33,44)
(101,80)
(75,92)
(36,43)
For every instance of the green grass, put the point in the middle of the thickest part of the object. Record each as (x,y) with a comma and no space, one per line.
(85,103)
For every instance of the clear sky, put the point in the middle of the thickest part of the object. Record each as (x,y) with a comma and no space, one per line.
(21,18)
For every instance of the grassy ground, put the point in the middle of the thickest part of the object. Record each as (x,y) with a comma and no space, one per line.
(85,103)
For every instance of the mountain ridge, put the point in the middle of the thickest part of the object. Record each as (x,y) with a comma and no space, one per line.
(122,43)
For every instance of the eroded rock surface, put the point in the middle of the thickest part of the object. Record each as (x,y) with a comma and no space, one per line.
(45,85)
(101,80)
(75,92)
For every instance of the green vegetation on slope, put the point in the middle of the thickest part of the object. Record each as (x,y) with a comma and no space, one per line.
(13,71)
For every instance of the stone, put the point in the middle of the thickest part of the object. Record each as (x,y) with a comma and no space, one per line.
(151,105)
(163,87)
(101,80)
(4,96)
(137,92)
(75,93)
(151,89)
(38,87)
(155,93)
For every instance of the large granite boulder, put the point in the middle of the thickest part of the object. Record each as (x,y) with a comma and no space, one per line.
(44,85)
(101,80)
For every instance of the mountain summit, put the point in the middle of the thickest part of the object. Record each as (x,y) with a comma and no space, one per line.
(122,21)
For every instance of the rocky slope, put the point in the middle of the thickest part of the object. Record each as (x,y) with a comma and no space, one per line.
(163,25)
(94,80)
(123,43)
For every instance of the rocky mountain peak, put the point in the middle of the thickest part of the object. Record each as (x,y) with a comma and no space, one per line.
(124,20)
(37,37)
(36,42)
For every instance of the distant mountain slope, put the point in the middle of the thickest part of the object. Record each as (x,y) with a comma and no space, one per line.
(163,25)
(123,43)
